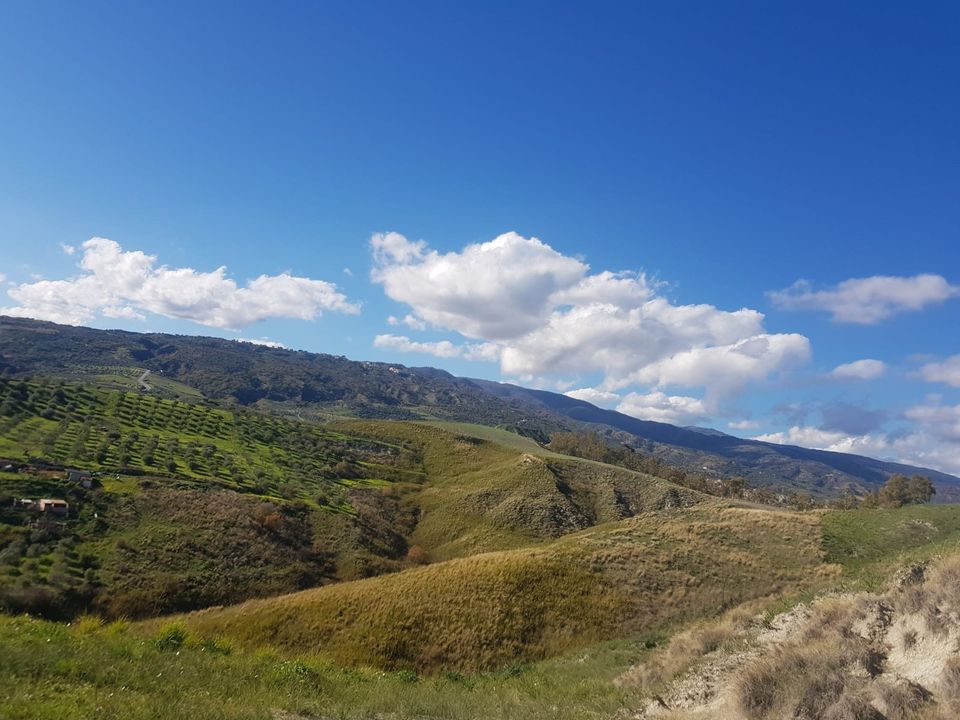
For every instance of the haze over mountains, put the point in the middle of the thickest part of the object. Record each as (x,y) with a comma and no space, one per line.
(307,384)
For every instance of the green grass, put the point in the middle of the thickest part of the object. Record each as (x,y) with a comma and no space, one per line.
(352,498)
(52,671)
(505,438)
(265,455)
(867,543)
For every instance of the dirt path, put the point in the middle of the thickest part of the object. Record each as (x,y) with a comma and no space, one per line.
(142,381)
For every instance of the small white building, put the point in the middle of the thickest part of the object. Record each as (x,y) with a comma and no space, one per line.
(54,506)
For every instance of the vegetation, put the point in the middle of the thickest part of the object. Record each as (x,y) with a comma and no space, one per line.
(900,490)
(868,543)
(196,505)
(50,422)
(898,665)
(636,576)
(52,671)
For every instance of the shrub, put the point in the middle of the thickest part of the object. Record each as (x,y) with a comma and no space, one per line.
(171,637)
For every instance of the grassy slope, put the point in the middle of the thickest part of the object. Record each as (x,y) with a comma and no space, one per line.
(254,506)
(489,489)
(484,611)
(868,543)
(50,670)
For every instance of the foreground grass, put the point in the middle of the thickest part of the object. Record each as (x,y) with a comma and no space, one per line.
(869,543)
(50,670)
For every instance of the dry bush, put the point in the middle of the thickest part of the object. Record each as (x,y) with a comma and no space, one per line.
(901,698)
(804,678)
(949,695)
(681,652)
(852,706)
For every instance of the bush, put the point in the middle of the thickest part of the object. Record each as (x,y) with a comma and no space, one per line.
(171,637)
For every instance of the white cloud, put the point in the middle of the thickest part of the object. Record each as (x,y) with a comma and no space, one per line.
(932,440)
(3,278)
(549,314)
(806,436)
(126,284)
(743,424)
(261,341)
(600,398)
(68,249)
(725,369)
(866,369)
(348,272)
(496,291)
(947,371)
(440,348)
(410,321)
(400,343)
(941,421)
(658,406)
(867,301)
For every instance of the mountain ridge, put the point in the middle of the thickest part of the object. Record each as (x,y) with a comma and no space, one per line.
(323,385)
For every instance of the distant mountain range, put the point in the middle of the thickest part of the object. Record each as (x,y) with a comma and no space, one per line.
(319,385)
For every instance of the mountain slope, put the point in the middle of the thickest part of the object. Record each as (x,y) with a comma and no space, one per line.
(317,385)
(195,505)
(760,462)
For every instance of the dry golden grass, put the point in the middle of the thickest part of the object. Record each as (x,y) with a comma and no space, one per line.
(481,495)
(890,656)
(645,573)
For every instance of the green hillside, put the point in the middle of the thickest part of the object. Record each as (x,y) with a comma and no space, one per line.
(267,455)
(638,575)
(197,505)
(164,671)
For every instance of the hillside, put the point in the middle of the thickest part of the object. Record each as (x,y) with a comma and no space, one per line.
(783,466)
(245,374)
(485,611)
(301,384)
(162,670)
(196,505)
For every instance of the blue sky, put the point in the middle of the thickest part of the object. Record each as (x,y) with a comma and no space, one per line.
(716,153)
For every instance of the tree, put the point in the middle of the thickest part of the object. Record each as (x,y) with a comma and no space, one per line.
(920,490)
(895,492)
(899,490)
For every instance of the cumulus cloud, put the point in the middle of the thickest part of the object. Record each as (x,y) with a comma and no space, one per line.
(658,406)
(940,421)
(600,398)
(68,249)
(805,436)
(261,341)
(932,438)
(743,425)
(441,348)
(867,301)
(866,369)
(127,284)
(409,320)
(497,290)
(947,372)
(549,314)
